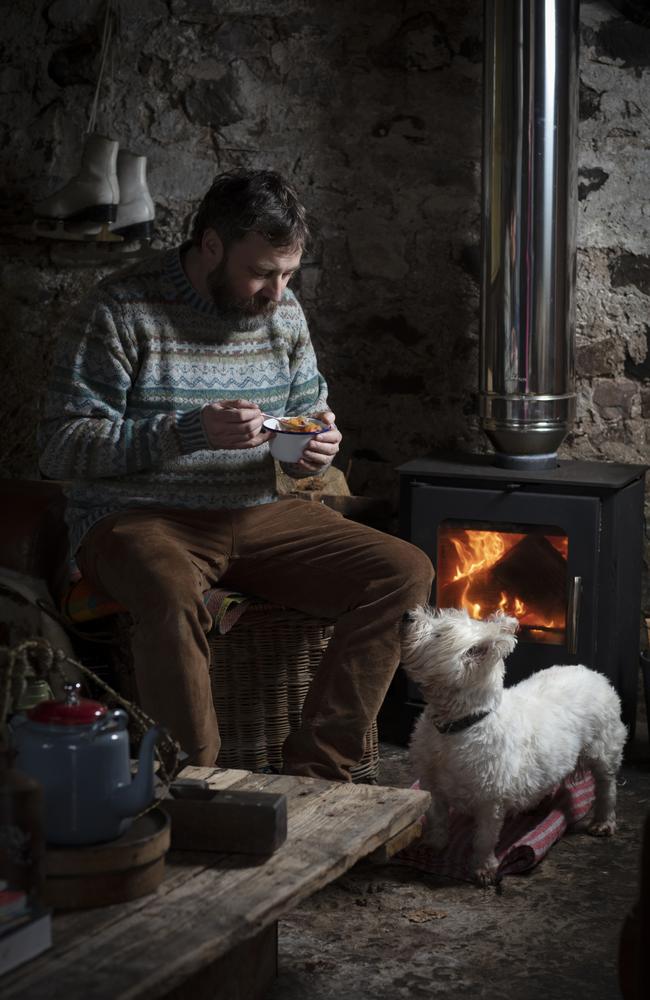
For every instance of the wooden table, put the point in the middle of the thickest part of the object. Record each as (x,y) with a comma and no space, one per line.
(211,928)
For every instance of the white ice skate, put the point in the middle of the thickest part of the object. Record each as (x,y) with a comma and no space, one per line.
(93,195)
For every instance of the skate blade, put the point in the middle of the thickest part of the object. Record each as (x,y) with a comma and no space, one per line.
(53,231)
(105,236)
(76,234)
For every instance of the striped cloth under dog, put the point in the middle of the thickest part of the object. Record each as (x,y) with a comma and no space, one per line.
(525,838)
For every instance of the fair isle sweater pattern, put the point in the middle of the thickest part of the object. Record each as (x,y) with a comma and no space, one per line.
(137,362)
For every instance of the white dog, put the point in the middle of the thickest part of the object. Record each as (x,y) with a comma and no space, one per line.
(489,751)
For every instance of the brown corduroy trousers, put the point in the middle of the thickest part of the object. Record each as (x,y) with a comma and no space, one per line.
(158,564)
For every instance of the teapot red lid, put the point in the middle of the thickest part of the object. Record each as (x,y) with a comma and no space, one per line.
(68,711)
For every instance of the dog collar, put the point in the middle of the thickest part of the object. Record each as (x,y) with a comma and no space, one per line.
(458,725)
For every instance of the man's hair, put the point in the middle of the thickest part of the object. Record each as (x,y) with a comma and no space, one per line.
(252,201)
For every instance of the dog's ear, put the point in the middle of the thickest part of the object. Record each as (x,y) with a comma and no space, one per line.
(504,620)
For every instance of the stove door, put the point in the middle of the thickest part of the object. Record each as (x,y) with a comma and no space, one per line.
(533,556)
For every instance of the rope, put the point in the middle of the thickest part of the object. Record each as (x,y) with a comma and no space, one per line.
(37,656)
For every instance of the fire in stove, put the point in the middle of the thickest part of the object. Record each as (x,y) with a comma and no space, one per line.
(520,572)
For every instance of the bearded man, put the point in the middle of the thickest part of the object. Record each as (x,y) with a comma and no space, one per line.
(155,414)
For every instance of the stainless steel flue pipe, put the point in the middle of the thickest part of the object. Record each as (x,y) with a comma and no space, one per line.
(529,201)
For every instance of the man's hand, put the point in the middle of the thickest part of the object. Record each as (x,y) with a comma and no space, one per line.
(234,424)
(323,447)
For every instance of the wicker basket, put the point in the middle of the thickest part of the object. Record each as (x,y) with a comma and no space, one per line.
(261,669)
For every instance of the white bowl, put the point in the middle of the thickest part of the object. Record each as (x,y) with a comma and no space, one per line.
(288,446)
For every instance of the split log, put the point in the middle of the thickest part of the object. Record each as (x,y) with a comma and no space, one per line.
(532,570)
(535,572)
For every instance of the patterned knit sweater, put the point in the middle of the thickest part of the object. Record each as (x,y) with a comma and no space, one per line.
(139,359)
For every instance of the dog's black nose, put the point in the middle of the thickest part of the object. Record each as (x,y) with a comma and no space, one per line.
(408,616)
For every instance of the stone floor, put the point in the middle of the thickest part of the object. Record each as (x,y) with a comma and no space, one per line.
(390,932)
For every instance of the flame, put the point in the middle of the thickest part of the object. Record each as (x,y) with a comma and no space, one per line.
(474,551)
(485,548)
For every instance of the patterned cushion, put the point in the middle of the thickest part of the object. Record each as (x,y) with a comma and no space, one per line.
(83,604)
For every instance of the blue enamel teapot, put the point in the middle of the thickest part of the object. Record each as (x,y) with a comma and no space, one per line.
(78,750)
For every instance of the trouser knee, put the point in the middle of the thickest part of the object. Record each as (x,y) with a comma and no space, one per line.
(416,572)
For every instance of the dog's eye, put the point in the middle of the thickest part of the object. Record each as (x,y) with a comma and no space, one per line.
(474,651)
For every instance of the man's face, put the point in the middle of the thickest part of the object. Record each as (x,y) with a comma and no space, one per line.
(252,276)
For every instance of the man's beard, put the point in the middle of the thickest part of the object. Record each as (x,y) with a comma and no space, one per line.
(245,313)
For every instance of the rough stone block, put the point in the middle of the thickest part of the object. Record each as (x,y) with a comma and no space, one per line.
(645,404)
(214,102)
(631,269)
(377,247)
(615,399)
(602,357)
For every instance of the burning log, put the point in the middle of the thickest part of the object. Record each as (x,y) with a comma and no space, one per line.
(532,570)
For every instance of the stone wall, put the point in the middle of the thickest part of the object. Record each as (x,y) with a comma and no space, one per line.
(373,109)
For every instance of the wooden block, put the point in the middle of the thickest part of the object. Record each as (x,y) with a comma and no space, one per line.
(228,822)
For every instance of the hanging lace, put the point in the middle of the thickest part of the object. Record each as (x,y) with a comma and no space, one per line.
(106,59)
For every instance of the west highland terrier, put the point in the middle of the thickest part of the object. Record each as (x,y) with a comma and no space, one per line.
(487,750)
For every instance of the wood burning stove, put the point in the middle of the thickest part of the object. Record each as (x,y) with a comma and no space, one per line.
(559,549)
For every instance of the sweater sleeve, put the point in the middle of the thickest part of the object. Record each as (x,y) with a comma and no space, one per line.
(308,390)
(84,433)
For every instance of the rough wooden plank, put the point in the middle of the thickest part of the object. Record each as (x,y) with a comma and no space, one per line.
(396,843)
(245,973)
(70,927)
(181,868)
(224,900)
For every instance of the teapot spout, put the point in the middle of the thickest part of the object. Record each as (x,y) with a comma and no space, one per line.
(132,799)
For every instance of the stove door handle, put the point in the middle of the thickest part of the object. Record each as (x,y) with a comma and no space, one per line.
(573,614)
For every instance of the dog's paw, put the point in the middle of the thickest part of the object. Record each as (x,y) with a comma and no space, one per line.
(485,873)
(602,828)
(485,877)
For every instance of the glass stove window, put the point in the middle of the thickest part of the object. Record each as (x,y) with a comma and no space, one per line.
(521,570)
